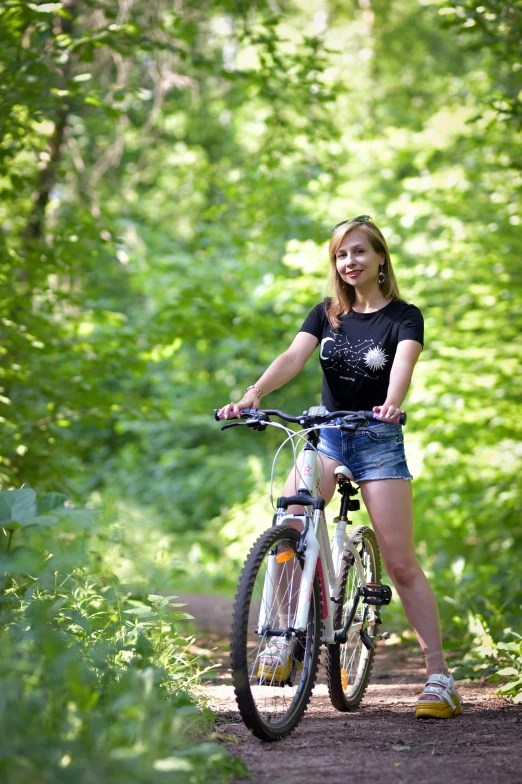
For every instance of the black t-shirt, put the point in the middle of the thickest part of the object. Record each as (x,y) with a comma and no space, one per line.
(357,358)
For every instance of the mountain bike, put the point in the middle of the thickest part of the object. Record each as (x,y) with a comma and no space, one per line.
(297,590)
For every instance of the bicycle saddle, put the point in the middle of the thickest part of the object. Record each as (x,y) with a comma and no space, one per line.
(343,471)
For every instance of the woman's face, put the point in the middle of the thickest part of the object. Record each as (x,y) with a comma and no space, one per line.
(357,262)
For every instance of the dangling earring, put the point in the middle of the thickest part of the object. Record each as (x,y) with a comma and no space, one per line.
(382,276)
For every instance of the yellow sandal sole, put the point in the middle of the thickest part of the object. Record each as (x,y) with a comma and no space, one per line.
(437,710)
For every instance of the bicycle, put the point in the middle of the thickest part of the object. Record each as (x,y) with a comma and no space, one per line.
(297,590)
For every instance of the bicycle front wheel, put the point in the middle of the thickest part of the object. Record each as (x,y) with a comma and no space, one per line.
(273,693)
(349,665)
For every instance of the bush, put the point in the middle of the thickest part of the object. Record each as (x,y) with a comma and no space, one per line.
(95,678)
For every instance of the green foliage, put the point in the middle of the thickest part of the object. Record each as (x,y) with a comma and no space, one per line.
(124,140)
(511,653)
(494,28)
(97,674)
(495,661)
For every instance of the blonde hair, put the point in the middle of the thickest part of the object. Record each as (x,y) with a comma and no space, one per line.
(344,297)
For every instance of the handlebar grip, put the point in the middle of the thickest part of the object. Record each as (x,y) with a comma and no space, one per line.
(245,413)
(371,415)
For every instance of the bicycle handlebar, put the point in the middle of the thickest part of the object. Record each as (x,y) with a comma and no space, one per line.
(308,420)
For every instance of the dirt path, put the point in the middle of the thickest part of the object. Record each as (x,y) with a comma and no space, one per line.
(382,741)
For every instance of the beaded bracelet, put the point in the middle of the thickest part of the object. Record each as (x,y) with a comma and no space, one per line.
(258,390)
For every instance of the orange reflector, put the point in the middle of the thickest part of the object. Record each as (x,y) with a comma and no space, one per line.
(344,679)
(287,555)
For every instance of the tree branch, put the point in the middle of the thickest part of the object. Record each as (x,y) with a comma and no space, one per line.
(47,173)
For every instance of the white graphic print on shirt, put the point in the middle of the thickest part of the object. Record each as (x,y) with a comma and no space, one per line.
(338,353)
(357,357)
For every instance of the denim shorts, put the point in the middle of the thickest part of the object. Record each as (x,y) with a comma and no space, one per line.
(373,451)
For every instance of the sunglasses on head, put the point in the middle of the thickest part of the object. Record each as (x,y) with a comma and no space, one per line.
(357,219)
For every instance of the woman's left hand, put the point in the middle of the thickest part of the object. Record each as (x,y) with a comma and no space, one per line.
(389,412)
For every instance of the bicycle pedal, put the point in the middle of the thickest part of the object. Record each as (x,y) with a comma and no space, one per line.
(383,636)
(376,594)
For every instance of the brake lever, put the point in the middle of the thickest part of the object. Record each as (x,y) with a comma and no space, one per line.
(234,424)
(350,423)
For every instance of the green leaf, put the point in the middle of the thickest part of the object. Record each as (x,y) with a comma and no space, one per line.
(511,686)
(12,526)
(20,560)
(158,599)
(509,646)
(17,505)
(50,501)
(112,112)
(507,671)
(145,610)
(164,601)
(41,521)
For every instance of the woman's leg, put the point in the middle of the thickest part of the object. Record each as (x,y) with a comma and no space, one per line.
(287,603)
(327,488)
(389,504)
(326,480)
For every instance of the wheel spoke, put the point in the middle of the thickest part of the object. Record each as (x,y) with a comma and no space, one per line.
(349,665)
(275,679)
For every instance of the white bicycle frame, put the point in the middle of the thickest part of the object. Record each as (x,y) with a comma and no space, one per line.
(318,555)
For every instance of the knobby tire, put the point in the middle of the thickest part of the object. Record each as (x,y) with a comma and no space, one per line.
(270,710)
(346,688)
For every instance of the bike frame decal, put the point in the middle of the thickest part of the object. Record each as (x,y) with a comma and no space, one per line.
(308,473)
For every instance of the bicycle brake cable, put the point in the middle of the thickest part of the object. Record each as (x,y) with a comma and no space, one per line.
(292,436)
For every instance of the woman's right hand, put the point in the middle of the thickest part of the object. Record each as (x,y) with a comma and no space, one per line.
(233,410)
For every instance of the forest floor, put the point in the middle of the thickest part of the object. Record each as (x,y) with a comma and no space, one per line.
(380,742)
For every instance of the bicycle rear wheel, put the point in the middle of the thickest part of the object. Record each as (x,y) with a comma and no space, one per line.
(273,700)
(349,666)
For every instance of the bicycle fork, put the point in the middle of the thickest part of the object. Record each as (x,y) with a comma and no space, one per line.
(311,545)
(318,556)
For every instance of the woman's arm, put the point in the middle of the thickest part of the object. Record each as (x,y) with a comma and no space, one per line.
(283,368)
(408,352)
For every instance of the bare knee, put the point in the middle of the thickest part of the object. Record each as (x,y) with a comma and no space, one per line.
(403,571)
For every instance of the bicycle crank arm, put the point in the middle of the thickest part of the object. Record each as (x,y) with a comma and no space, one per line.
(366,640)
(369,642)
(342,636)
(375,594)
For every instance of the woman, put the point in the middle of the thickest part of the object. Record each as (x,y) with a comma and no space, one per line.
(370,341)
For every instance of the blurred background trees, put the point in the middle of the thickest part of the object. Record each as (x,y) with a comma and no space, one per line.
(169,173)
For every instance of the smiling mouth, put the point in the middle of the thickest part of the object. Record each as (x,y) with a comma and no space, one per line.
(354,273)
